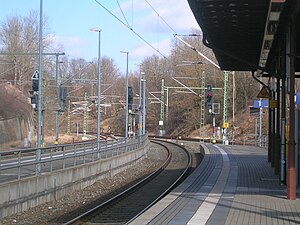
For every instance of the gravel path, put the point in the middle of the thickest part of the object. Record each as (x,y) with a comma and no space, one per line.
(55,212)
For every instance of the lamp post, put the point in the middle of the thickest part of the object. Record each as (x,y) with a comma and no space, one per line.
(57,81)
(126,113)
(40,126)
(140,123)
(144,105)
(140,106)
(99,89)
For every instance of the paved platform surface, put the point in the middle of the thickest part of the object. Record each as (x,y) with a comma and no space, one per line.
(233,185)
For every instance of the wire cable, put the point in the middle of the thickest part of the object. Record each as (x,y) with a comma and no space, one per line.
(176,36)
(160,16)
(130,28)
(8,70)
(72,76)
(123,14)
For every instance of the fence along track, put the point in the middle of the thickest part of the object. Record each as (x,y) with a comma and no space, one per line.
(135,200)
(21,163)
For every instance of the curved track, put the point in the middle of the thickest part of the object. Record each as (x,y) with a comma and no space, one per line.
(135,200)
(210,166)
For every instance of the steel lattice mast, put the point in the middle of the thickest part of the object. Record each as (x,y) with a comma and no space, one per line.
(162,104)
(202,105)
(225,110)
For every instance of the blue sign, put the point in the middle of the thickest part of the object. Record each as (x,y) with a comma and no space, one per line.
(261,104)
(298,98)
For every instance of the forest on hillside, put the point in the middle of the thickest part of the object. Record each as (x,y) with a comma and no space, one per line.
(184,73)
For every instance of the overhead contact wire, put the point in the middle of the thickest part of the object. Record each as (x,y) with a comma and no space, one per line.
(160,16)
(130,28)
(123,14)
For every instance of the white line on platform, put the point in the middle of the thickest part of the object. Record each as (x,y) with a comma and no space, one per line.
(207,207)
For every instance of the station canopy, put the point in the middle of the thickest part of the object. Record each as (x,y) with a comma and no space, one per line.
(240,32)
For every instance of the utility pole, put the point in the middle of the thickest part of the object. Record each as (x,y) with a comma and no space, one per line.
(210,104)
(40,96)
(85,119)
(126,110)
(99,90)
(69,118)
(162,108)
(225,110)
(144,106)
(202,106)
(167,106)
(58,100)
(140,126)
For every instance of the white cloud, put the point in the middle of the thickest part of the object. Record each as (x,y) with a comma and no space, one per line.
(146,50)
(155,29)
(73,45)
(177,14)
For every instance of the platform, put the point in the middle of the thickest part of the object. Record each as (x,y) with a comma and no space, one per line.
(233,185)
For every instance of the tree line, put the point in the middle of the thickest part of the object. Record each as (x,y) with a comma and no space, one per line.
(182,67)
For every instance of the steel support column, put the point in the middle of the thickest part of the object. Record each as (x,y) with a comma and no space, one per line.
(69,118)
(144,105)
(270,145)
(283,133)
(277,130)
(273,130)
(225,109)
(162,105)
(167,107)
(291,173)
(202,107)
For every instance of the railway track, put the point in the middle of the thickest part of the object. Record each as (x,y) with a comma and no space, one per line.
(138,198)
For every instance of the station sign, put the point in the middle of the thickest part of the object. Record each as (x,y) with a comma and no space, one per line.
(261,103)
(297,98)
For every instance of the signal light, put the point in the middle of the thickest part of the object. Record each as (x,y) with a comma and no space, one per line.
(130,98)
(35,84)
(209,88)
(209,95)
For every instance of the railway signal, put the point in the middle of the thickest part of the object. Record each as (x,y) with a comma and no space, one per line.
(130,98)
(209,97)
(35,88)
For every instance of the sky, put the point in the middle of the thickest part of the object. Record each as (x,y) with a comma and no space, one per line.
(70,21)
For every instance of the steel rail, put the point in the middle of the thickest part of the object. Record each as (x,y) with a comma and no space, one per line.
(179,179)
(141,184)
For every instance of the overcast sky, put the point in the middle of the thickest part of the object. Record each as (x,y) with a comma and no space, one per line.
(70,21)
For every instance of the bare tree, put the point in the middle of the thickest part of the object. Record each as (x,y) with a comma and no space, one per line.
(18,37)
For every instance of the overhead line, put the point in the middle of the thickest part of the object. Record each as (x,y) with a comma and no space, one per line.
(160,17)
(130,28)
(197,51)
(8,70)
(71,77)
(176,35)
(123,13)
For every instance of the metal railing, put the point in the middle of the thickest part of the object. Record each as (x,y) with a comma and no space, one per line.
(17,164)
(250,139)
